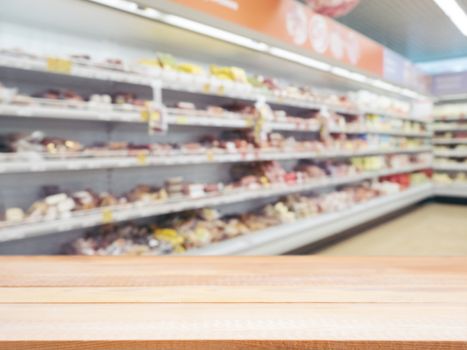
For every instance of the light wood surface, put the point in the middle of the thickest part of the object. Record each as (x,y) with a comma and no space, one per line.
(233,303)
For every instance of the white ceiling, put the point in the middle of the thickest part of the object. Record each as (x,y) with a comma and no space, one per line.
(417,29)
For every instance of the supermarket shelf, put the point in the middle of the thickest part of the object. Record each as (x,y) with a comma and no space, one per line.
(451,153)
(450,117)
(141,75)
(31,163)
(96,217)
(455,190)
(450,167)
(454,127)
(75,69)
(79,112)
(233,120)
(84,111)
(382,132)
(449,141)
(284,238)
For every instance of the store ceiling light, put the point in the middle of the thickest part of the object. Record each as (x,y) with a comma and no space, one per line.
(213,32)
(204,29)
(384,85)
(297,58)
(455,13)
(341,72)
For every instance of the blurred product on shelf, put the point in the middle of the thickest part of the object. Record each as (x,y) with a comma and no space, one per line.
(71,99)
(37,142)
(36,145)
(455,111)
(177,234)
(339,140)
(372,122)
(223,79)
(460,136)
(452,178)
(57,204)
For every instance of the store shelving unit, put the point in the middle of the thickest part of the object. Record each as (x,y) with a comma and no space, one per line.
(441,141)
(450,167)
(179,82)
(285,238)
(453,190)
(95,217)
(162,83)
(30,163)
(450,151)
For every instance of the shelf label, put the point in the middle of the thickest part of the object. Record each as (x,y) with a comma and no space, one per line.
(181,119)
(142,158)
(155,116)
(107,216)
(210,156)
(250,122)
(261,127)
(144,115)
(59,65)
(207,87)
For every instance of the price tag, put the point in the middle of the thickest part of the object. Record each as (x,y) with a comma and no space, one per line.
(206,87)
(59,65)
(141,158)
(155,116)
(210,156)
(183,120)
(144,115)
(221,90)
(107,216)
(250,122)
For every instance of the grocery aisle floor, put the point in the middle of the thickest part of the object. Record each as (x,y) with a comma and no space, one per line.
(432,229)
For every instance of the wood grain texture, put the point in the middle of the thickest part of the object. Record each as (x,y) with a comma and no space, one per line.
(233,303)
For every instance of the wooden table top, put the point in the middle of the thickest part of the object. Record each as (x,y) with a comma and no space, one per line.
(233,303)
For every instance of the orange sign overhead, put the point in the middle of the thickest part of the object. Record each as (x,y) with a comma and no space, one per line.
(294,23)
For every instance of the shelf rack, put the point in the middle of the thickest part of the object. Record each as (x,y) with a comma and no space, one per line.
(167,80)
(28,163)
(140,75)
(285,238)
(455,189)
(96,217)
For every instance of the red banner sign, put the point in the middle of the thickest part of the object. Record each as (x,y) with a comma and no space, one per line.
(296,24)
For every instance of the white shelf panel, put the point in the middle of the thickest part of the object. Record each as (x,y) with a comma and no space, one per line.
(69,113)
(77,70)
(453,153)
(233,120)
(455,190)
(450,167)
(140,75)
(100,216)
(25,164)
(382,132)
(451,118)
(284,238)
(174,117)
(177,118)
(450,128)
(449,142)
(85,111)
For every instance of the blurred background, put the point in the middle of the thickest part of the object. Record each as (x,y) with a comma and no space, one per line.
(233,127)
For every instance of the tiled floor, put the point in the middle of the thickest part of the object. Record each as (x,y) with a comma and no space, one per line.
(432,229)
